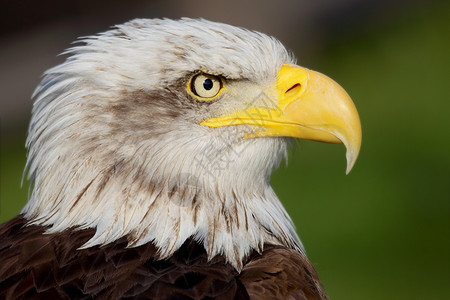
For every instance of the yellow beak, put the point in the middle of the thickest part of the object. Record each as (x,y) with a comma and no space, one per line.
(305,104)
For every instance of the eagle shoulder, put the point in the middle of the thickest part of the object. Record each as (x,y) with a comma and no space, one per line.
(281,273)
(50,266)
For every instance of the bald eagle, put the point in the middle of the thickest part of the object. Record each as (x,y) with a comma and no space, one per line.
(150,151)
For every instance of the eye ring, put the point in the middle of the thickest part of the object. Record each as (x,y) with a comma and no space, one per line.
(204,86)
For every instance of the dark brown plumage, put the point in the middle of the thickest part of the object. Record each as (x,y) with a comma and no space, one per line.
(49,266)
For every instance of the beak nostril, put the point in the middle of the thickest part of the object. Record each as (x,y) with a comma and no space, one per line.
(295,86)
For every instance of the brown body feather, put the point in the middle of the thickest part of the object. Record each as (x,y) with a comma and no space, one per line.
(49,266)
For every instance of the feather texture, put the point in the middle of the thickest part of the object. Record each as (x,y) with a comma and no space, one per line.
(50,266)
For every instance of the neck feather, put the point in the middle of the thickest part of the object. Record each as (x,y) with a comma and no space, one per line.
(156,193)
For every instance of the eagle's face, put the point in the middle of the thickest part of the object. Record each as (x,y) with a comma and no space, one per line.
(162,130)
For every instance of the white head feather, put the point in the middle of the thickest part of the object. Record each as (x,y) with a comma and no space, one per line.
(115,144)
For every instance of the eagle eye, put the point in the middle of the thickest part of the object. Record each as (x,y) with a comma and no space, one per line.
(204,86)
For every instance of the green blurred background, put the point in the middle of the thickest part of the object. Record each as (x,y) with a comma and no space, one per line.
(383,231)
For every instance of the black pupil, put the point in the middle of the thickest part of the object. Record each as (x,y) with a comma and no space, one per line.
(208,84)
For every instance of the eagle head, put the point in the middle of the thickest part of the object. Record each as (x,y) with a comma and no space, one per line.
(163,130)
